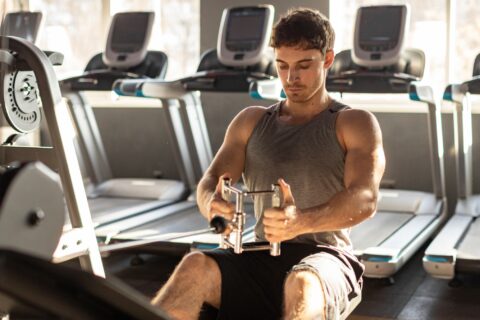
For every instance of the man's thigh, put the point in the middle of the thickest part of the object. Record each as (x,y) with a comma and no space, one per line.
(252,282)
(339,277)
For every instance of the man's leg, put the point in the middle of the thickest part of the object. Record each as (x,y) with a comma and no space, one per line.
(318,288)
(196,280)
(304,296)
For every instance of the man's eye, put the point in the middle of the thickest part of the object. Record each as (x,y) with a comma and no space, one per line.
(304,66)
(283,67)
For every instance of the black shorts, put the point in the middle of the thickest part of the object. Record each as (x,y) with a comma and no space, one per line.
(252,282)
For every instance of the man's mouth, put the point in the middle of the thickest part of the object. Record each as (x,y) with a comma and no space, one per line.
(294,89)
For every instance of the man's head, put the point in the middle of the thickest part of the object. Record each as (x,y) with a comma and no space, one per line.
(303,42)
(304,29)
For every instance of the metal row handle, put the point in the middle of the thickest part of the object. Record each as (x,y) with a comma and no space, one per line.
(237,224)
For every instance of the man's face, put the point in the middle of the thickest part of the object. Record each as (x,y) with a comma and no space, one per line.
(302,72)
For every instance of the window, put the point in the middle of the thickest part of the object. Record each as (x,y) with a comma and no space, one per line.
(73,28)
(427,31)
(78,29)
(466,41)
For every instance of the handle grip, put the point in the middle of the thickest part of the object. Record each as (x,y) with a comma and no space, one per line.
(276,202)
(219,223)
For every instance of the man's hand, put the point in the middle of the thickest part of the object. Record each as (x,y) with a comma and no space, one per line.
(217,206)
(282,223)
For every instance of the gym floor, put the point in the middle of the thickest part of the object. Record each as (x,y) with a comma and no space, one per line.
(413,296)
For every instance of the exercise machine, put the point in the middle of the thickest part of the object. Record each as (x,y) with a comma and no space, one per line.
(455,249)
(31,221)
(34,201)
(32,209)
(28,81)
(232,231)
(32,288)
(125,57)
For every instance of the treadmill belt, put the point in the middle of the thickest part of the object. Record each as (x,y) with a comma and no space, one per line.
(107,210)
(372,232)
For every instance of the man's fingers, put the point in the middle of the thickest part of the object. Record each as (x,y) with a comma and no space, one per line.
(222,208)
(275,223)
(218,189)
(274,213)
(273,238)
(286,192)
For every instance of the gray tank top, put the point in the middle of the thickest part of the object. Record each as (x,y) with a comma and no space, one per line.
(307,156)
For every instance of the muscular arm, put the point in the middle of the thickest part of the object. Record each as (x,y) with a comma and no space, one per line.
(229,160)
(359,133)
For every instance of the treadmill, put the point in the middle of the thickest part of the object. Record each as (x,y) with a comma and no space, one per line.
(125,57)
(456,247)
(405,219)
(239,59)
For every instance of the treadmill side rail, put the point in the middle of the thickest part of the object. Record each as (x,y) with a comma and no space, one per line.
(440,256)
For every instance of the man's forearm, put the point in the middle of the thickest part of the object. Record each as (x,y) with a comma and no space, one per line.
(205,189)
(344,210)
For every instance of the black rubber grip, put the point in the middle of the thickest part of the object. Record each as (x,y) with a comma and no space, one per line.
(219,224)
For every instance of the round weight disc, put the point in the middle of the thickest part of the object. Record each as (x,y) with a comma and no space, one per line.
(21,101)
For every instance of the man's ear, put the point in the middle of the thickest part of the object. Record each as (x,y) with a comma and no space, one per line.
(329,57)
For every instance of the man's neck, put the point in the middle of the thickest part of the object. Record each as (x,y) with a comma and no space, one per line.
(298,112)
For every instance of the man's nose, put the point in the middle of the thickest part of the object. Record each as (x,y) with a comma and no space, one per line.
(292,74)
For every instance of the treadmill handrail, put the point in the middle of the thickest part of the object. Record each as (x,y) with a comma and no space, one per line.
(89,81)
(172,94)
(459,94)
(175,89)
(424,93)
(360,81)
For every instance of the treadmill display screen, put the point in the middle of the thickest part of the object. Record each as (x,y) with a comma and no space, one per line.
(22,25)
(380,28)
(129,32)
(244,30)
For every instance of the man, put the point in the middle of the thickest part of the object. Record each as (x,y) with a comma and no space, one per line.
(328,160)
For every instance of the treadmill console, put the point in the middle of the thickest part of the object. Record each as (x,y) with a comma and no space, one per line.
(244,34)
(379,35)
(128,39)
(22,24)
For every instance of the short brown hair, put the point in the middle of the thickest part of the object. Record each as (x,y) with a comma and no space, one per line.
(304,28)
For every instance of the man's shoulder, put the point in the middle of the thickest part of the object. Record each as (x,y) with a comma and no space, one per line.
(252,114)
(349,116)
(246,120)
(255,110)
(358,126)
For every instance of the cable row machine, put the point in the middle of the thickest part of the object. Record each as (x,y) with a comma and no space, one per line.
(34,202)
(405,219)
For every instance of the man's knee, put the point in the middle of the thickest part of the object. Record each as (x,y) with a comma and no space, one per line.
(197,261)
(204,271)
(304,296)
(302,281)
(199,266)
